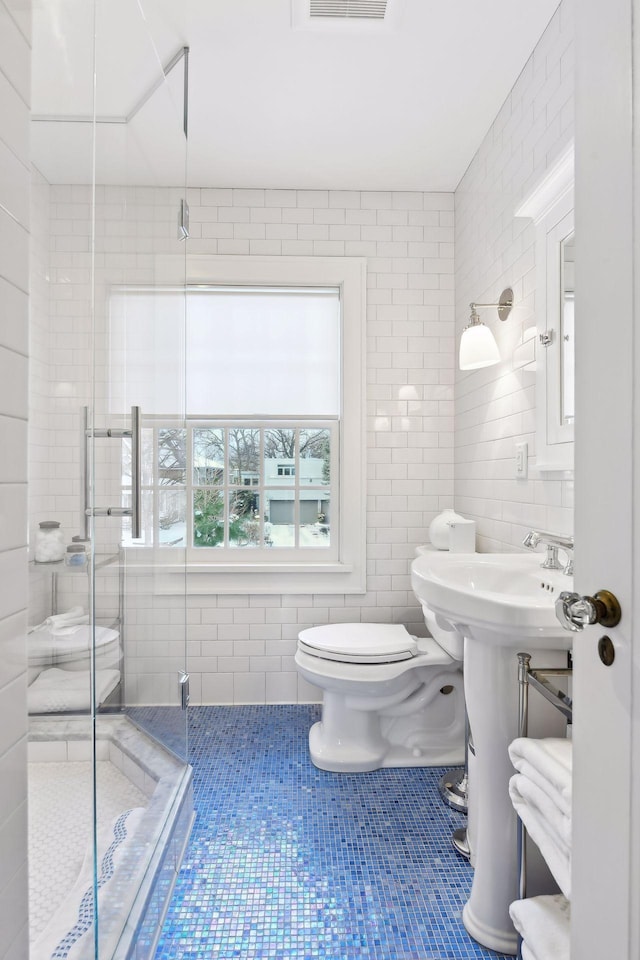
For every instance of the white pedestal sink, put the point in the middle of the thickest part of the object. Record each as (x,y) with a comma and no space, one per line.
(502,604)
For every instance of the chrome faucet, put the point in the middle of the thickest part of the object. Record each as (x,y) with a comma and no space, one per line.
(553,543)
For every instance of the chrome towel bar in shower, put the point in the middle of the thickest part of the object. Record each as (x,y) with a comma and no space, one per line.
(134,511)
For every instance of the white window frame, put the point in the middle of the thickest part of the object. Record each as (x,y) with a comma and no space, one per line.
(327,547)
(347,572)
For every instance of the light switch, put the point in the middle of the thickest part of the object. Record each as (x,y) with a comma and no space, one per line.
(522,460)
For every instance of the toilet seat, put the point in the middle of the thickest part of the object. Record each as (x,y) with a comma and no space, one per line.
(359,642)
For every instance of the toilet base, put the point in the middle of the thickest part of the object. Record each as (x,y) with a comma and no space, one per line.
(351,740)
(350,758)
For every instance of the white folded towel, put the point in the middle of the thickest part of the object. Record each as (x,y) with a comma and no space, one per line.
(62,624)
(548,763)
(554,850)
(544,925)
(65,619)
(71,628)
(558,823)
(64,691)
(527,954)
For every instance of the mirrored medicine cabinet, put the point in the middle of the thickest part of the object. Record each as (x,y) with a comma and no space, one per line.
(550,206)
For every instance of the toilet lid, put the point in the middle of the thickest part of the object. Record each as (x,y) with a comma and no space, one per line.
(359,642)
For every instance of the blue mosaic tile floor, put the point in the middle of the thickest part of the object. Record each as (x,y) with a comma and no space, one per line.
(287,862)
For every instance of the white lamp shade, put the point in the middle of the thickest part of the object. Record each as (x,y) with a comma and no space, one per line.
(478,347)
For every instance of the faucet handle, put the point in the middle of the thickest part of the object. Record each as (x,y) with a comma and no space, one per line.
(551,560)
(553,543)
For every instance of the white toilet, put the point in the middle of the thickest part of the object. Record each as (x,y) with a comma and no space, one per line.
(390,699)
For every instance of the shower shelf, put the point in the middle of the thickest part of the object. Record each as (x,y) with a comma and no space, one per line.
(78,580)
(60,568)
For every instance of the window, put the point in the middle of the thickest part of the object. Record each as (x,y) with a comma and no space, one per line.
(252,433)
(196,495)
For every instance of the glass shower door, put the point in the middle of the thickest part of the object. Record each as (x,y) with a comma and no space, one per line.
(137,471)
(110,151)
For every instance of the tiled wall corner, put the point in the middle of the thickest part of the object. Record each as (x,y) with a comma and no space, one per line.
(14,285)
(495,407)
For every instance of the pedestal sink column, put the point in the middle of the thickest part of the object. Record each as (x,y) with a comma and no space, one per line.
(491,692)
(502,604)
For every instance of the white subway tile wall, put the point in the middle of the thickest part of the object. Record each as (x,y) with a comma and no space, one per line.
(496,407)
(240,649)
(14,288)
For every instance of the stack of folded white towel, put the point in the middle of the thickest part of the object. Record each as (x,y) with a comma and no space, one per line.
(541,795)
(543,924)
(63,624)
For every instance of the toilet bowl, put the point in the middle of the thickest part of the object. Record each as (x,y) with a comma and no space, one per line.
(389,699)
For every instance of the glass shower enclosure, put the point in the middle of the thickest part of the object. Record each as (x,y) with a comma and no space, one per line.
(109,782)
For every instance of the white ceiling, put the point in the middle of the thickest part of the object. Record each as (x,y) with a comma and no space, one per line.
(349,105)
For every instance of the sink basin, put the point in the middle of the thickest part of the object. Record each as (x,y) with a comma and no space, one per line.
(501,604)
(493,595)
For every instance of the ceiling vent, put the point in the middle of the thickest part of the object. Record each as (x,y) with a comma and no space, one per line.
(350,9)
(344,14)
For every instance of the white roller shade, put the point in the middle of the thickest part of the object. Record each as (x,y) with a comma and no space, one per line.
(226,351)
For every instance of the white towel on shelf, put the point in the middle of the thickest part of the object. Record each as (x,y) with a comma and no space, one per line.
(62,691)
(556,853)
(528,792)
(64,619)
(527,954)
(62,624)
(548,763)
(70,628)
(544,925)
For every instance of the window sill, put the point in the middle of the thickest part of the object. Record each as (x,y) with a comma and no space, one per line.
(174,578)
(271,568)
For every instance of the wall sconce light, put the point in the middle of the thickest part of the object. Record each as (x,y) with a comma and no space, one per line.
(478,347)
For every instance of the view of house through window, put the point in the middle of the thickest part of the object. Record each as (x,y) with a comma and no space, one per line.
(239,486)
